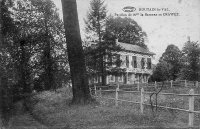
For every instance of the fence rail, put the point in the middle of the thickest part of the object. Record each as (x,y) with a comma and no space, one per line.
(155,85)
(142,92)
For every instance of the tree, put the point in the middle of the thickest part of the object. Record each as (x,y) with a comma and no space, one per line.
(126,30)
(17,48)
(46,9)
(5,100)
(1,89)
(96,18)
(7,26)
(26,42)
(173,57)
(21,35)
(25,34)
(103,59)
(95,28)
(1,24)
(191,69)
(161,72)
(169,66)
(96,61)
(52,29)
(76,57)
(40,20)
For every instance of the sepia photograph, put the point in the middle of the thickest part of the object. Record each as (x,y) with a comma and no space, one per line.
(99,64)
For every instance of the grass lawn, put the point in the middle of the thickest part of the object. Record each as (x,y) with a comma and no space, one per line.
(53,111)
(170,118)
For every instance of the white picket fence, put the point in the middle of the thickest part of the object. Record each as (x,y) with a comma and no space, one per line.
(142,93)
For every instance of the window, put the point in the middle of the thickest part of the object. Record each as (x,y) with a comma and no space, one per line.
(100,79)
(148,63)
(123,58)
(127,61)
(142,63)
(129,77)
(118,61)
(112,78)
(137,77)
(134,62)
(110,60)
(96,79)
(120,78)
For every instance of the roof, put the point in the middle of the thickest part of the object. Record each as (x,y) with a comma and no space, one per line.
(134,48)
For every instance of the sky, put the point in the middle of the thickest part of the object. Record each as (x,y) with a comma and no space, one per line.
(179,19)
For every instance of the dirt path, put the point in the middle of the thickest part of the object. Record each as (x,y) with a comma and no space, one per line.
(24,120)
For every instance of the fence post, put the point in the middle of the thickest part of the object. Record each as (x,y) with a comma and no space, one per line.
(142,101)
(171,83)
(197,84)
(138,86)
(191,108)
(155,85)
(116,97)
(185,83)
(95,90)
(100,92)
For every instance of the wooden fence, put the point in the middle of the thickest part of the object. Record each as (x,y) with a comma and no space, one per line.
(142,93)
(179,83)
(155,85)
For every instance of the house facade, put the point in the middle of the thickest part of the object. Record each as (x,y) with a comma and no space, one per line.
(136,62)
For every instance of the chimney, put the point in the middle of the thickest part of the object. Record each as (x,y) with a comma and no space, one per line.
(188,38)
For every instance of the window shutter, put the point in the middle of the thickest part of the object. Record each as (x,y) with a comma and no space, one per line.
(149,63)
(127,61)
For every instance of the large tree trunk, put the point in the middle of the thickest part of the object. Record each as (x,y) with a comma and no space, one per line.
(49,80)
(1,24)
(24,73)
(76,56)
(1,43)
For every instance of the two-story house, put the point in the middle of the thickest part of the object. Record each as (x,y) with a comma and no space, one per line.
(137,63)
